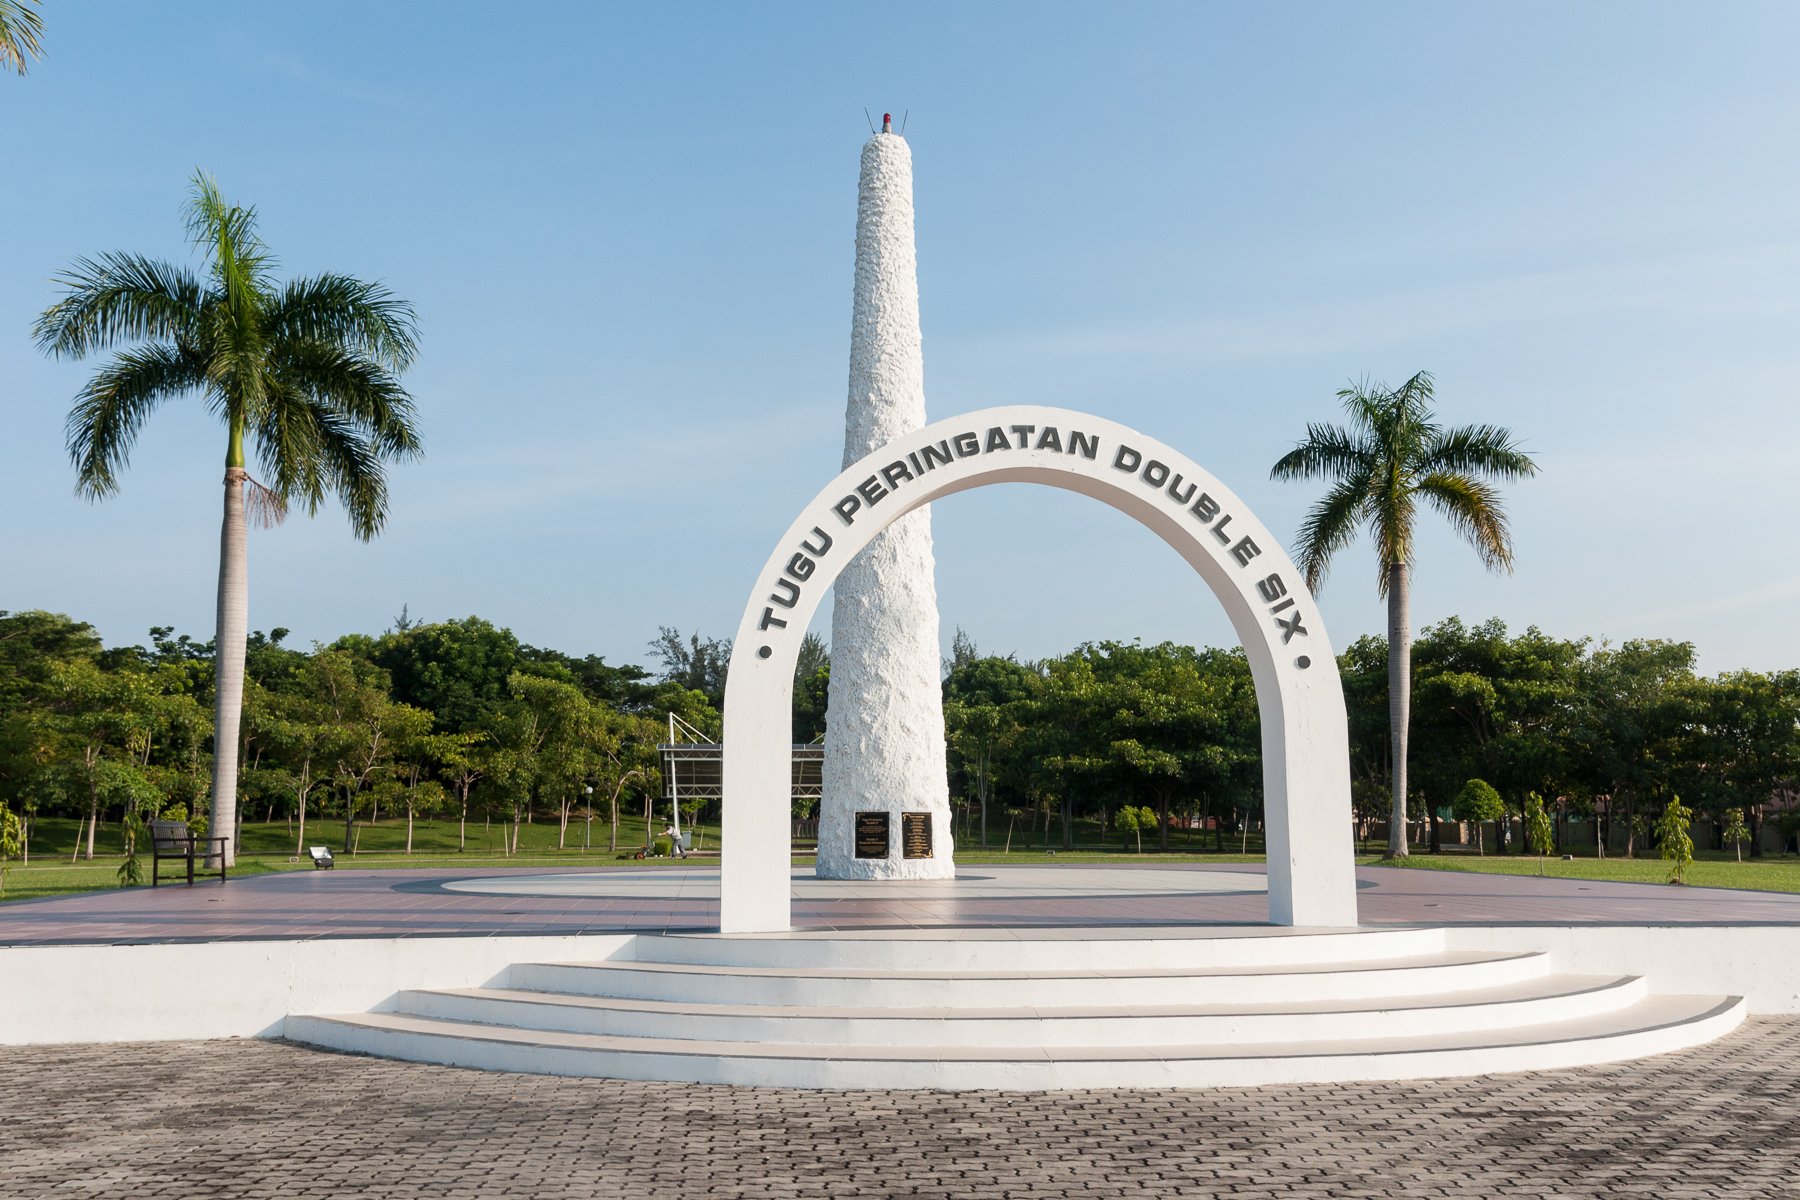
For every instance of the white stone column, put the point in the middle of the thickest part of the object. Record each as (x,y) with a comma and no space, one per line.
(884,730)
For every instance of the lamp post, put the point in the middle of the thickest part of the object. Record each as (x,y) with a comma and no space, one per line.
(587,822)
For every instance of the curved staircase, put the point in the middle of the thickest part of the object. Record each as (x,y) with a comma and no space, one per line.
(1034,1009)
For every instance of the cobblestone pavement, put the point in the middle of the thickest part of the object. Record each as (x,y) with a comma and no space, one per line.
(264,1119)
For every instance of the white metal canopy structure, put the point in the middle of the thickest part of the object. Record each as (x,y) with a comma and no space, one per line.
(1305,739)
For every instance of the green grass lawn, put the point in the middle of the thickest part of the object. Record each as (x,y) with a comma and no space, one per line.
(1709,869)
(271,847)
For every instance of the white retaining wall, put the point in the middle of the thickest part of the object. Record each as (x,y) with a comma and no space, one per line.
(54,994)
(244,989)
(1761,963)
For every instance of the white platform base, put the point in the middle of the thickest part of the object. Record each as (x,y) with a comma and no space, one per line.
(1034,1009)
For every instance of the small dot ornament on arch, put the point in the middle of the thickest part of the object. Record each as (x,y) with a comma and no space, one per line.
(1302,662)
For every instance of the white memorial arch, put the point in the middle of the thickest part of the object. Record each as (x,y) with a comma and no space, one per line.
(1305,739)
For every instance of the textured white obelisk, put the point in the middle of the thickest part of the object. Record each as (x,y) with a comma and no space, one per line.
(884,728)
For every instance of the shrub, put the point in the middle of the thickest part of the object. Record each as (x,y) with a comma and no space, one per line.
(1478,802)
(1677,842)
(9,842)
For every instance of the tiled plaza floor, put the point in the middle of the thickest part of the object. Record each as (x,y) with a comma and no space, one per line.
(422,903)
(265,1119)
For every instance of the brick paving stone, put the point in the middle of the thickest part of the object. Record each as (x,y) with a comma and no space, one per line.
(415,903)
(241,1120)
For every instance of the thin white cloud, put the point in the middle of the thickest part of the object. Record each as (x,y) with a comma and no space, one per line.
(299,71)
(1773,593)
(673,461)
(1751,281)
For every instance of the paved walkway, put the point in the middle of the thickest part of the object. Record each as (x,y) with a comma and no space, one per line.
(262,1119)
(436,902)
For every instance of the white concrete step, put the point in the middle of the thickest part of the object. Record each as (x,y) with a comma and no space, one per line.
(1034,1009)
(1653,1025)
(1538,1000)
(1216,947)
(870,987)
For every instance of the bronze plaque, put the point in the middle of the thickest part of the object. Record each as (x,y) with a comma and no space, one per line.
(915,834)
(871,835)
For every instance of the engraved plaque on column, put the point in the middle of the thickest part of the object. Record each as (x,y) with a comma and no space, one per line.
(915,834)
(871,835)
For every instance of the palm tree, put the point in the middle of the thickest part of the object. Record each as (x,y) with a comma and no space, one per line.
(1393,455)
(305,371)
(21,25)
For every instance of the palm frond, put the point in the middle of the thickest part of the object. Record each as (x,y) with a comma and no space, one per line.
(357,478)
(289,445)
(111,409)
(1406,422)
(355,387)
(307,449)
(1474,510)
(264,506)
(1329,526)
(241,268)
(116,298)
(349,312)
(1415,395)
(1327,450)
(1363,402)
(1488,449)
(1390,516)
(225,232)
(21,31)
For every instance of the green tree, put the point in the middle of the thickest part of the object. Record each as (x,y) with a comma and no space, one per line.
(981,695)
(812,689)
(1539,834)
(306,373)
(11,842)
(456,669)
(1393,456)
(21,28)
(1744,729)
(1677,843)
(1736,833)
(358,718)
(101,724)
(1362,667)
(35,647)
(1635,709)
(464,759)
(1479,803)
(1134,819)
(299,730)
(697,664)
(545,740)
(416,751)
(624,749)
(1491,706)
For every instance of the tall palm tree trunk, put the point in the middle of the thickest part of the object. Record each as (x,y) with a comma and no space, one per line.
(1399,699)
(228,654)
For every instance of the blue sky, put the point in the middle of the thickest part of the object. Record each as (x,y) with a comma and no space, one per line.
(628,233)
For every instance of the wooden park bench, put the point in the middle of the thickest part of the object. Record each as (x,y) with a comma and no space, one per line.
(173,839)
